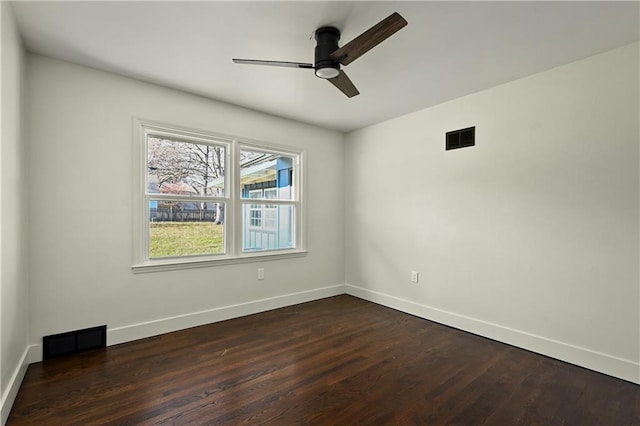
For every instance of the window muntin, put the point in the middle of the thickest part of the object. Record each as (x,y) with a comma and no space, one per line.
(195,196)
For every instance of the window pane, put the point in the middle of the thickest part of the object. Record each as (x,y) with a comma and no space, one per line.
(268,227)
(185,228)
(183,168)
(266,176)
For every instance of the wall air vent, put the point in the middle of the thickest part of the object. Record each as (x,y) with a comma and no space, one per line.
(461,138)
(74,341)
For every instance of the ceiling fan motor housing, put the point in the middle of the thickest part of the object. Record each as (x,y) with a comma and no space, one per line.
(326,43)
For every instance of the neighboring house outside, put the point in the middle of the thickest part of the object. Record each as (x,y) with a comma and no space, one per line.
(264,177)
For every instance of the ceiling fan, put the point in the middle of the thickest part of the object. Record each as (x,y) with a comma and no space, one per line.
(329,57)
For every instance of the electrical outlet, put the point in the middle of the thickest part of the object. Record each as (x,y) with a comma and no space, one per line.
(261,273)
(414,277)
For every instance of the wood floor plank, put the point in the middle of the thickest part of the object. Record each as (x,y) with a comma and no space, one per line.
(339,360)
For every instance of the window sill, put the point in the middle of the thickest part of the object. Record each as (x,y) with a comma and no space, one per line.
(176,264)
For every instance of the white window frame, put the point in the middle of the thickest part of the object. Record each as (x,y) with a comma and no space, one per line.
(232,198)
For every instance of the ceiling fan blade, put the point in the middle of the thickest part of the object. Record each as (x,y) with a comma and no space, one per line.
(274,63)
(344,84)
(369,39)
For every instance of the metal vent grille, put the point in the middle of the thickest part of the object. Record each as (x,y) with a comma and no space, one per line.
(74,341)
(461,138)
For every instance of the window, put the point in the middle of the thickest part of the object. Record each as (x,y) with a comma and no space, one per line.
(267,175)
(203,199)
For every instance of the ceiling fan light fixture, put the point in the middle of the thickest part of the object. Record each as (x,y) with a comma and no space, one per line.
(327,72)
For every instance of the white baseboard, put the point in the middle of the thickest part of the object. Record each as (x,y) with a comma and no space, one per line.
(142,330)
(593,360)
(9,396)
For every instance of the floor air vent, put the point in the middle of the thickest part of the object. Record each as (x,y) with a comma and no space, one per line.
(461,138)
(74,341)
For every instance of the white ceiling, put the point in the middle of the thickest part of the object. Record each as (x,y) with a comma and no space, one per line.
(448,50)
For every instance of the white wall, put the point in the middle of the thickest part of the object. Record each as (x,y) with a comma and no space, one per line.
(13,228)
(80,200)
(530,237)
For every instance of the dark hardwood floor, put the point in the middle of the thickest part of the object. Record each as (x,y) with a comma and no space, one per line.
(339,360)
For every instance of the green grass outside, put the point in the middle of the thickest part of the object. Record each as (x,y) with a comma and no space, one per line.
(185,238)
